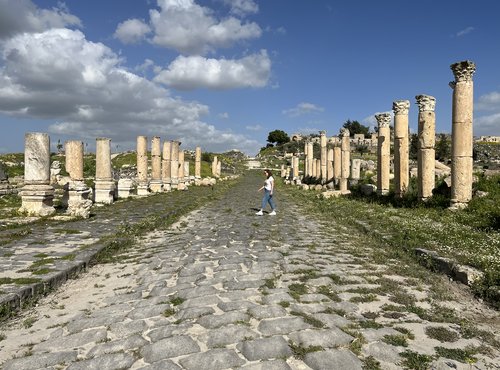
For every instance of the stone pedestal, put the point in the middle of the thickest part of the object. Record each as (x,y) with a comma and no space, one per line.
(461,133)
(383,153)
(426,142)
(125,188)
(156,183)
(104,183)
(197,163)
(142,166)
(323,157)
(401,153)
(345,160)
(37,195)
(166,168)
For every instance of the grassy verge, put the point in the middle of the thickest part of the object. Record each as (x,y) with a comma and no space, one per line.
(470,236)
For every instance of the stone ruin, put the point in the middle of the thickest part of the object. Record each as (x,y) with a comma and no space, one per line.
(334,168)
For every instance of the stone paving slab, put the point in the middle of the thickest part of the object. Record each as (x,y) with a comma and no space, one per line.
(226,289)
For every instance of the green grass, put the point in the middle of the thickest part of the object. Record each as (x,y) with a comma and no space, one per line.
(299,351)
(415,361)
(441,334)
(296,290)
(395,340)
(465,355)
(309,319)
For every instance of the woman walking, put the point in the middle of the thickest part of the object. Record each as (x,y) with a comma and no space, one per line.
(268,188)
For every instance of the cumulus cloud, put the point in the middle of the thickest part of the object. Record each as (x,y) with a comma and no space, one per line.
(198,72)
(490,101)
(23,16)
(131,31)
(59,75)
(487,124)
(224,115)
(192,29)
(465,31)
(242,7)
(301,109)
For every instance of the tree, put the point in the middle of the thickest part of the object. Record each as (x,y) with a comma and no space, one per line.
(355,127)
(443,148)
(278,136)
(413,146)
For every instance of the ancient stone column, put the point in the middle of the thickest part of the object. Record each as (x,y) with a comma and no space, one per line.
(295,166)
(310,159)
(355,170)
(383,152)
(76,192)
(166,166)
(197,163)
(182,180)
(345,160)
(156,183)
(174,164)
(125,187)
(214,166)
(219,168)
(426,157)
(104,184)
(283,171)
(306,167)
(329,166)
(187,179)
(37,194)
(323,156)
(401,153)
(142,165)
(461,133)
(337,164)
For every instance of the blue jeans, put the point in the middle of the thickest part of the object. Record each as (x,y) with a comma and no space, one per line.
(268,198)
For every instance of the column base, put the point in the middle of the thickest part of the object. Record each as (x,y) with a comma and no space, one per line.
(104,191)
(142,190)
(156,186)
(79,203)
(125,188)
(37,200)
(174,184)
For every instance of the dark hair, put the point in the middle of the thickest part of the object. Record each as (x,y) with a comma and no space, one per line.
(269,173)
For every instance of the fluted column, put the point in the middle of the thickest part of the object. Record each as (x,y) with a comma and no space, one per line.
(197,163)
(323,153)
(104,183)
(345,159)
(426,156)
(142,165)
(384,152)
(401,153)
(166,166)
(37,194)
(174,164)
(461,133)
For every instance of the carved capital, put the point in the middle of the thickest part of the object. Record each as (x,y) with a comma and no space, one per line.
(426,103)
(322,133)
(344,132)
(463,71)
(383,119)
(401,107)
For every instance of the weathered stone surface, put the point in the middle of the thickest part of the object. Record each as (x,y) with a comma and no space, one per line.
(40,361)
(169,347)
(282,326)
(73,340)
(216,359)
(114,361)
(333,359)
(265,348)
(327,338)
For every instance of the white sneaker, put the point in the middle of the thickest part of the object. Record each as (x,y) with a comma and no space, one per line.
(260,213)
(273,213)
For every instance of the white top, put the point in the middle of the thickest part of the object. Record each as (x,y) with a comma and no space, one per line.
(268,184)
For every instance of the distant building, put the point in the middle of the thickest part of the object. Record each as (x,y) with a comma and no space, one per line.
(490,139)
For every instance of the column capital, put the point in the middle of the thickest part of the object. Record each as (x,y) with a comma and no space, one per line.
(425,103)
(322,132)
(463,71)
(344,132)
(383,119)
(401,107)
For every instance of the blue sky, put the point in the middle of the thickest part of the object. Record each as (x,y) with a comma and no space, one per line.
(223,73)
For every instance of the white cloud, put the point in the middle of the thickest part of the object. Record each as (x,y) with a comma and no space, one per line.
(61,76)
(131,31)
(224,115)
(487,125)
(17,16)
(242,7)
(308,130)
(254,128)
(199,72)
(465,31)
(490,101)
(303,108)
(192,29)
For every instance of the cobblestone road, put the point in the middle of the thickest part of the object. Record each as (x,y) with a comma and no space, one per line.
(224,289)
